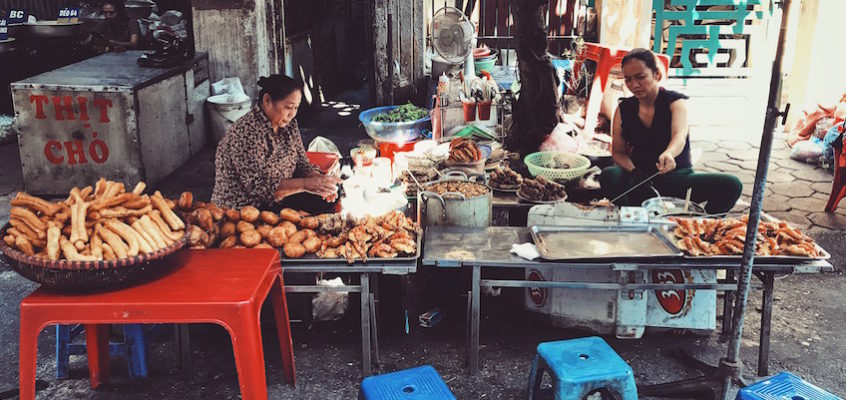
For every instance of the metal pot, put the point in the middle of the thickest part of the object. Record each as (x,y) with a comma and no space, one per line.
(17,31)
(452,208)
(671,207)
(53,29)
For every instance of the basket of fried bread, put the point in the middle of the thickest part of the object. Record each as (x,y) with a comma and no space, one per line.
(97,238)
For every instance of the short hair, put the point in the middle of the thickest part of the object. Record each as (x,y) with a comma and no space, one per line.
(278,86)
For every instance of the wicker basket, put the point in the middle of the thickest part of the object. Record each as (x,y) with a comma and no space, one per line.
(80,276)
(536,163)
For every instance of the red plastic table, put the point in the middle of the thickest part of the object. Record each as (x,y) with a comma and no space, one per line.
(225,287)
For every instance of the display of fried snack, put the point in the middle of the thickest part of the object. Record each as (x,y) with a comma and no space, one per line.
(709,236)
(505,177)
(384,237)
(103,222)
(541,189)
(464,151)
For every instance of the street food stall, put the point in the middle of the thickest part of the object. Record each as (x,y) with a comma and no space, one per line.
(107,116)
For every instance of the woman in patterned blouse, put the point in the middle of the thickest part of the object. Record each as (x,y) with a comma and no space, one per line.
(261,160)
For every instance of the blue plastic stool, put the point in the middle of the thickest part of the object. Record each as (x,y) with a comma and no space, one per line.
(415,383)
(133,348)
(582,366)
(784,386)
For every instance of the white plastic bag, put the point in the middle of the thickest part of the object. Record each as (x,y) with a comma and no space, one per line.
(322,145)
(808,151)
(329,306)
(231,87)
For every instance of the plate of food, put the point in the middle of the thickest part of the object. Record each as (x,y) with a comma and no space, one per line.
(541,191)
(505,179)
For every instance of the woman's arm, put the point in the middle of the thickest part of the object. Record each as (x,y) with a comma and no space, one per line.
(679,128)
(619,150)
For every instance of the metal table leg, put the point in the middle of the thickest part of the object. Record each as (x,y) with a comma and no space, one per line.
(365,324)
(766,321)
(474,320)
(728,305)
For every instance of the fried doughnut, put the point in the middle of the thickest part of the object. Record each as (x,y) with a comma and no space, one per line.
(10,240)
(23,244)
(298,237)
(249,214)
(138,203)
(264,230)
(216,212)
(263,245)
(294,250)
(28,217)
(167,214)
(309,223)
(153,231)
(277,237)
(35,203)
(312,244)
(186,201)
(139,229)
(23,228)
(71,253)
(232,215)
(289,227)
(227,229)
(250,238)
(303,213)
(120,212)
(127,234)
(53,235)
(229,242)
(291,215)
(269,217)
(139,188)
(195,235)
(168,235)
(108,253)
(204,218)
(244,226)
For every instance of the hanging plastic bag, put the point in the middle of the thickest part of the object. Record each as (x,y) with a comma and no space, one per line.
(322,145)
(232,88)
(329,306)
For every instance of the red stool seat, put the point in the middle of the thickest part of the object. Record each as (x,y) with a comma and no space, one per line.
(225,287)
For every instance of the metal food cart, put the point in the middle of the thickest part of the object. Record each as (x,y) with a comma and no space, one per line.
(486,248)
(109,117)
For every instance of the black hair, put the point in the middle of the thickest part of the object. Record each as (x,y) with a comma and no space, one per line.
(278,86)
(644,55)
(119,5)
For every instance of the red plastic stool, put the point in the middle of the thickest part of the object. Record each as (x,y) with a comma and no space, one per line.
(225,287)
(606,57)
(838,187)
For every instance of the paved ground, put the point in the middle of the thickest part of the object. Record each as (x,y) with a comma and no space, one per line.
(807,328)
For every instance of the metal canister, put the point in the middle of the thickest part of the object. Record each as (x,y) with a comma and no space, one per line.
(453,208)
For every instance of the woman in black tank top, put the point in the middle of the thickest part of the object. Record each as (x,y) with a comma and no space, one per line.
(650,134)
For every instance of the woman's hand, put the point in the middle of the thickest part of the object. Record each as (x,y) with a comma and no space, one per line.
(666,162)
(325,186)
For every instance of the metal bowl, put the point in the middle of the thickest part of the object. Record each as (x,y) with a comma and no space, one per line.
(55,30)
(394,132)
(671,206)
(139,9)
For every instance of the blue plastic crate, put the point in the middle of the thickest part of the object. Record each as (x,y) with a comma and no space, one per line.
(419,383)
(784,386)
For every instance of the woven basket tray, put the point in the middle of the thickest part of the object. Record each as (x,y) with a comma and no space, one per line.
(80,276)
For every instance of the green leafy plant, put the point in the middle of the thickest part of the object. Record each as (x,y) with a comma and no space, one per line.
(404,113)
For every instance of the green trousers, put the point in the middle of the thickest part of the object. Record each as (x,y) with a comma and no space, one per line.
(720,191)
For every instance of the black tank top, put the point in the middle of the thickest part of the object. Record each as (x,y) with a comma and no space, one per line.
(648,143)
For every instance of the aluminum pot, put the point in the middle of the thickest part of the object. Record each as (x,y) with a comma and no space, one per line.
(453,208)
(53,29)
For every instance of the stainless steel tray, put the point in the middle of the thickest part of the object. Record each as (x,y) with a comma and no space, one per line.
(824,255)
(312,259)
(602,242)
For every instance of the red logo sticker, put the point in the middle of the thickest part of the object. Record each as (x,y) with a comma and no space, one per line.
(672,301)
(539,295)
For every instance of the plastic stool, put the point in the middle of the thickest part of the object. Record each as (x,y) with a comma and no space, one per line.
(414,383)
(838,186)
(133,349)
(579,367)
(784,386)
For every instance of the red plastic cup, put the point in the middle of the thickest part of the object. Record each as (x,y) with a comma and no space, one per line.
(484,110)
(469,111)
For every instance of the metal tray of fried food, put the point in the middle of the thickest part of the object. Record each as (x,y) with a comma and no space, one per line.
(768,259)
(629,242)
(312,259)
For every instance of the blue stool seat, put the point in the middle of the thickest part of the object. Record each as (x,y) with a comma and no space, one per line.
(784,386)
(579,367)
(132,348)
(415,383)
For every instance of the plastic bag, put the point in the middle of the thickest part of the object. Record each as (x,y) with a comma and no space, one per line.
(232,88)
(322,145)
(329,306)
(808,151)
(561,140)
